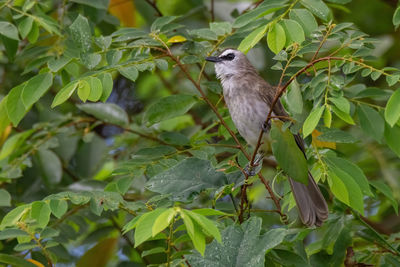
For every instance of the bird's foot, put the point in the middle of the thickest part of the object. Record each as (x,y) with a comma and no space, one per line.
(253,169)
(266,127)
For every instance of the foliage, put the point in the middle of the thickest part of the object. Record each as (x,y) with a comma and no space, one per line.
(116,148)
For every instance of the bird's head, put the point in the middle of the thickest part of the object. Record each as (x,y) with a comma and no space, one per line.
(230,62)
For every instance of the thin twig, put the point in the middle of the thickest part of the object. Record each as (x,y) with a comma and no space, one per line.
(212,10)
(153,4)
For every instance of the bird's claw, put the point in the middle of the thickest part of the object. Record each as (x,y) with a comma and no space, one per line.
(250,170)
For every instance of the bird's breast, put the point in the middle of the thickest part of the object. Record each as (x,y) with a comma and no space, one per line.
(248,111)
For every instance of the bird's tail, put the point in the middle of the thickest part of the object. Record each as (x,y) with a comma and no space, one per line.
(310,202)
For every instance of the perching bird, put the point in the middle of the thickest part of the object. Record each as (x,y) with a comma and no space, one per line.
(249,97)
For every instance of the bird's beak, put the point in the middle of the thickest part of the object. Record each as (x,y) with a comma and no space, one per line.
(213,59)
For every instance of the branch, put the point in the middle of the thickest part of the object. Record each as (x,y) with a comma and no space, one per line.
(153,4)
(212,10)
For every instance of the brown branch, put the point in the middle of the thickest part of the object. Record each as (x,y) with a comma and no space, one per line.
(153,4)
(212,10)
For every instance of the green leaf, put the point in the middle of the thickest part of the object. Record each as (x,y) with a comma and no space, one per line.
(25,26)
(305,19)
(64,93)
(33,35)
(392,138)
(12,143)
(59,63)
(169,107)
(187,178)
(252,39)
(83,90)
(206,34)
(145,224)
(58,207)
(336,135)
(81,34)
(392,111)
(12,233)
(96,88)
(210,212)
(40,212)
(131,224)
(387,192)
(392,79)
(100,254)
(221,28)
(111,113)
(293,31)
(318,8)
(344,116)
(9,30)
(276,38)
(5,198)
(15,261)
(107,83)
(341,103)
(371,122)
(14,105)
(327,117)
(35,88)
(161,22)
(352,170)
(207,225)
(235,238)
(11,218)
(195,232)
(163,220)
(396,17)
(294,98)
(50,165)
(287,153)
(346,189)
(312,120)
(130,73)
(99,4)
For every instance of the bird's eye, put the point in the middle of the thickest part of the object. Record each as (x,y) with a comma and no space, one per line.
(229,56)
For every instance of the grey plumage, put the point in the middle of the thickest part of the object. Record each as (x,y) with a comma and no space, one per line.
(249,97)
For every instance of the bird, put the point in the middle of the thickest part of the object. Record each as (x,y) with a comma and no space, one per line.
(249,98)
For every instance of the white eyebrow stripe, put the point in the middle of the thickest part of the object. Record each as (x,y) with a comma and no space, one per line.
(226,52)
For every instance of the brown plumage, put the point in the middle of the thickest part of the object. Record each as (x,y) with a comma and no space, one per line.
(249,97)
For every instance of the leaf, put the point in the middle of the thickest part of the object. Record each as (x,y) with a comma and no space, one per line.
(106,112)
(107,83)
(341,103)
(392,138)
(327,117)
(96,88)
(305,19)
(294,98)
(176,39)
(12,143)
(263,9)
(318,8)
(387,192)
(9,30)
(12,233)
(318,143)
(5,198)
(396,17)
(64,93)
(276,38)
(40,212)
(50,166)
(33,35)
(346,189)
(14,106)
(352,170)
(194,231)
(344,116)
(187,178)
(83,90)
(99,4)
(252,39)
(293,31)
(392,110)
(169,107)
(336,135)
(312,120)
(392,79)
(234,239)
(210,212)
(221,28)
(35,88)
(56,64)
(100,254)
(162,221)
(287,153)
(130,73)
(25,26)
(206,34)
(11,218)
(15,261)
(161,22)
(371,122)
(58,207)
(144,225)
(207,225)
(81,33)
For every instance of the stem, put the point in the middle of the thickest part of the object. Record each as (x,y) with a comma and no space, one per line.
(212,10)
(153,4)
(169,241)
